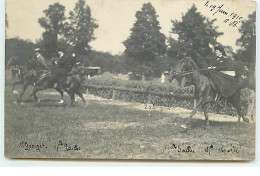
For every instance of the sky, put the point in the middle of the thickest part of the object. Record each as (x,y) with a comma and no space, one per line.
(116,17)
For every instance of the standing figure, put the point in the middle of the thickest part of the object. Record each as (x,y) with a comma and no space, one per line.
(162,78)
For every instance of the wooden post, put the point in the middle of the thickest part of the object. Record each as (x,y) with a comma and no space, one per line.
(113,94)
(149,99)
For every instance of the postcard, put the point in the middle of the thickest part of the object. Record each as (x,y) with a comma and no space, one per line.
(130,80)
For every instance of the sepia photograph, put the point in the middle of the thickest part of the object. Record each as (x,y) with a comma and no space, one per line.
(141,80)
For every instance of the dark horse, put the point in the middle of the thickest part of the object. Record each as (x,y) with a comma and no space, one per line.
(72,85)
(33,78)
(204,91)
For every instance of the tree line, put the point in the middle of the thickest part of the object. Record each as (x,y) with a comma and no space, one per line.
(147,50)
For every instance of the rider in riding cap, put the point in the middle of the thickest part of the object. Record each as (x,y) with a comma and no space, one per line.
(39,61)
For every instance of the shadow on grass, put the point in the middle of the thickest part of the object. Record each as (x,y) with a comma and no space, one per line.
(198,123)
(44,103)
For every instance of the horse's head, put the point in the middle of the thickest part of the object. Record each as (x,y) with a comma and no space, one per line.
(184,65)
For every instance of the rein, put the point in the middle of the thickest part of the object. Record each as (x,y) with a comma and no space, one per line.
(188,73)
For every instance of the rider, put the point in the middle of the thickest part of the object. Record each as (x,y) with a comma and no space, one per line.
(71,62)
(218,62)
(36,64)
(39,61)
(59,71)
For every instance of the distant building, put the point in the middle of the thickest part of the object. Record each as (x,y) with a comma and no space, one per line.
(94,71)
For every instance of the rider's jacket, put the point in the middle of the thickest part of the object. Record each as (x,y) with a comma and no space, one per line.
(61,61)
(40,60)
(218,63)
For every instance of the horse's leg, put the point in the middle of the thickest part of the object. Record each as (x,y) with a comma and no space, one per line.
(194,103)
(35,90)
(235,101)
(72,99)
(61,94)
(204,107)
(198,105)
(25,85)
(79,93)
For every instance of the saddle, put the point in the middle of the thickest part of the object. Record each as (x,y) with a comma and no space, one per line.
(43,76)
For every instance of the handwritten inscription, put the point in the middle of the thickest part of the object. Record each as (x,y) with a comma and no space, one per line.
(229,149)
(29,147)
(38,147)
(179,149)
(232,148)
(231,18)
(66,147)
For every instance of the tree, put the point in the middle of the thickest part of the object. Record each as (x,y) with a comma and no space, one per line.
(176,49)
(195,34)
(23,49)
(108,62)
(53,23)
(247,42)
(80,28)
(146,42)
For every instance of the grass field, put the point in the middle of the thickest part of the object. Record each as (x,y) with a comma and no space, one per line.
(110,131)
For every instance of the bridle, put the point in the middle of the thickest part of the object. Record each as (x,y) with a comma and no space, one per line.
(190,72)
(186,62)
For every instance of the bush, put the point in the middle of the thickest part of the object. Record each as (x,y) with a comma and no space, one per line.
(157,94)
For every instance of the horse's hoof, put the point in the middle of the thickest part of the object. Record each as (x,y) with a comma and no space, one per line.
(15,92)
(61,101)
(184,126)
(38,101)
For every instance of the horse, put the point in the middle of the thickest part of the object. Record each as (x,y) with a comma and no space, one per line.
(204,90)
(35,79)
(72,85)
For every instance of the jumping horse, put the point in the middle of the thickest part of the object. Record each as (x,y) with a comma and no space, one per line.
(204,90)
